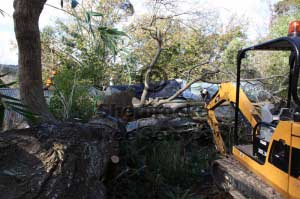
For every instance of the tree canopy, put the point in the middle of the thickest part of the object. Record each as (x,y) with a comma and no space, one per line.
(100,45)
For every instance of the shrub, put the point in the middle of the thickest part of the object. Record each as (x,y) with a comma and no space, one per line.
(71,98)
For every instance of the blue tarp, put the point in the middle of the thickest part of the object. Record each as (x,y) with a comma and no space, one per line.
(161,90)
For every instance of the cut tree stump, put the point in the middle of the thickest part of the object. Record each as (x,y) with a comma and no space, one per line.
(54,161)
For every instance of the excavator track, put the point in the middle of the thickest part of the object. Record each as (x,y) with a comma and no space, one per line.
(232,177)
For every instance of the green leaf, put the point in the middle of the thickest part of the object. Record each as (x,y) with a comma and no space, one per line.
(110,37)
(7,85)
(110,43)
(115,31)
(89,15)
(18,107)
(8,97)
(3,75)
(24,112)
(15,104)
(92,14)
(101,28)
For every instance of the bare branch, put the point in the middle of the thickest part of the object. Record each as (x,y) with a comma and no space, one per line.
(150,68)
(180,91)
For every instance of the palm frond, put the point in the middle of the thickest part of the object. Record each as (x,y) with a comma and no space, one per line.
(14,104)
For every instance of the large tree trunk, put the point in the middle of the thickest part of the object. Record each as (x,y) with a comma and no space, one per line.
(26,18)
(66,161)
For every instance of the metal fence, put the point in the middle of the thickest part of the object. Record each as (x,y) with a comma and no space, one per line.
(13,119)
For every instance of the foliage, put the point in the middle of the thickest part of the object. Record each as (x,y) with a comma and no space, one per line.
(71,99)
(230,54)
(187,42)
(280,25)
(284,6)
(101,54)
(170,167)
(88,52)
(268,64)
(88,44)
(13,104)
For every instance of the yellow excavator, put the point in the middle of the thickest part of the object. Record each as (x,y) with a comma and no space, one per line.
(268,166)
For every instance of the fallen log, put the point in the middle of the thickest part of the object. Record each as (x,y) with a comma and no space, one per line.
(54,161)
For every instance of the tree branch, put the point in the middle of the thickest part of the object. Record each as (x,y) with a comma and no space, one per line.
(158,39)
(180,91)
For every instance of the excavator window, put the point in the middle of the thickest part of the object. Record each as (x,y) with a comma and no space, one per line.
(295,168)
(279,155)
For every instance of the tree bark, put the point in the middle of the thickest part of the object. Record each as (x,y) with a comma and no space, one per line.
(26,18)
(66,160)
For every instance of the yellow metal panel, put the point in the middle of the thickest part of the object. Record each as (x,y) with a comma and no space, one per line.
(283,131)
(294,183)
(271,174)
(296,128)
(294,188)
(268,172)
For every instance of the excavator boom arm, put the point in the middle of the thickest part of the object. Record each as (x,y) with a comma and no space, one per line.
(227,93)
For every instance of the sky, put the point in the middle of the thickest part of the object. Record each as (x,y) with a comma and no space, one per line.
(256,12)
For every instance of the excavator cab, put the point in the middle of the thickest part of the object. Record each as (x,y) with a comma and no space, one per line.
(271,162)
